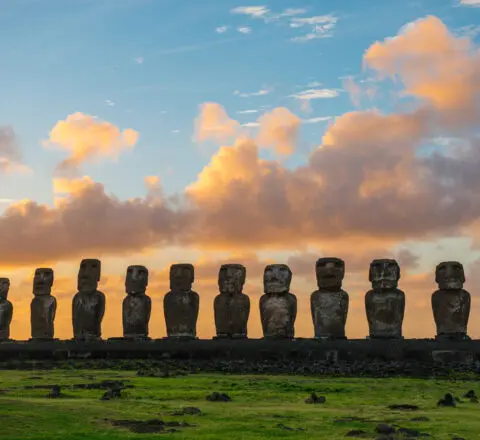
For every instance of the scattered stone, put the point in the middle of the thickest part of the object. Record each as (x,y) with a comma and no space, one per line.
(474,399)
(404,406)
(383,428)
(315,399)
(420,419)
(218,397)
(55,393)
(469,394)
(458,438)
(113,393)
(356,433)
(289,428)
(187,411)
(447,401)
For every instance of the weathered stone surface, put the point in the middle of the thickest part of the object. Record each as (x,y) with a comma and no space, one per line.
(278,307)
(181,304)
(451,303)
(43,306)
(329,304)
(232,306)
(385,303)
(88,306)
(6,309)
(137,306)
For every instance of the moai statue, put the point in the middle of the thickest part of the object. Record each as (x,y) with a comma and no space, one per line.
(450,303)
(6,310)
(385,303)
(329,304)
(43,306)
(181,304)
(278,307)
(137,305)
(88,306)
(232,306)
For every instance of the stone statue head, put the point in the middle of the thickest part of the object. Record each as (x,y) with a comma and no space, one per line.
(43,281)
(231,278)
(136,280)
(182,277)
(89,275)
(384,274)
(330,272)
(449,275)
(277,278)
(4,287)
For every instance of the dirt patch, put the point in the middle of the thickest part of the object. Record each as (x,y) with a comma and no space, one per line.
(153,426)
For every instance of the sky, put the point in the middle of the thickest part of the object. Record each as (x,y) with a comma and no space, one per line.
(213,131)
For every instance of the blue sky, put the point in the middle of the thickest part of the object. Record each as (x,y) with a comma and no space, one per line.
(149,64)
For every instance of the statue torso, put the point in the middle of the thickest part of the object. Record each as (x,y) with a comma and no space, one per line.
(278,313)
(42,309)
(451,310)
(385,312)
(329,312)
(136,315)
(231,313)
(88,310)
(181,313)
(6,313)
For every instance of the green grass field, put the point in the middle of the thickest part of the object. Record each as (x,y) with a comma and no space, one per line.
(261,406)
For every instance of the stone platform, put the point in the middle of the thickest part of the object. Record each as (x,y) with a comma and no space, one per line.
(361,350)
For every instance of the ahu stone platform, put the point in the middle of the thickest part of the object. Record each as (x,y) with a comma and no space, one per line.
(249,350)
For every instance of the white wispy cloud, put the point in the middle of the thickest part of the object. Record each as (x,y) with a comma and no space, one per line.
(261,92)
(5,200)
(139,60)
(109,103)
(470,30)
(321,26)
(473,3)
(244,29)
(251,124)
(316,94)
(317,119)
(246,112)
(252,11)
(221,29)
(175,131)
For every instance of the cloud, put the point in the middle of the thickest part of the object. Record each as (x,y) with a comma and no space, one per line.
(214,123)
(88,138)
(244,29)
(251,124)
(11,160)
(317,119)
(261,92)
(139,60)
(279,130)
(321,26)
(316,94)
(252,11)
(246,112)
(221,29)
(109,103)
(472,3)
(365,185)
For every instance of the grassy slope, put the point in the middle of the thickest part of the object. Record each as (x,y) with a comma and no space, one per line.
(259,404)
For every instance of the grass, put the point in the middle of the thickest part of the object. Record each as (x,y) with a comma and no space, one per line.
(259,404)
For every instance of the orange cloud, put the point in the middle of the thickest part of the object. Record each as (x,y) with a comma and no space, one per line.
(214,123)
(87,138)
(279,130)
(434,66)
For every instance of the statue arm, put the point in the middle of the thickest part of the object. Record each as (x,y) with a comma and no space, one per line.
(53,309)
(149,308)
(102,301)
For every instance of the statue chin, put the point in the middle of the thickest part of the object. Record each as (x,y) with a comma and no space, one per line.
(276,288)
